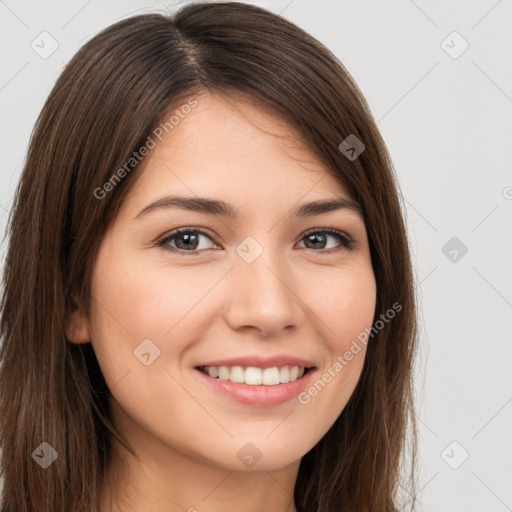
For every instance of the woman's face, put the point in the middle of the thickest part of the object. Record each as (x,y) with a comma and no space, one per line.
(253,290)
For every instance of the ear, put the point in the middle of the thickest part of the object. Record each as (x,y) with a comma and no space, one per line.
(77,327)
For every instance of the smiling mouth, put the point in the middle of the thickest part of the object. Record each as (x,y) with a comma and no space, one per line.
(254,376)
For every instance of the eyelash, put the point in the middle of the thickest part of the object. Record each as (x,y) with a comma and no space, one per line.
(346,243)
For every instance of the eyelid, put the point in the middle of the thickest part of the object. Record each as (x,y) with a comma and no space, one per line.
(326,230)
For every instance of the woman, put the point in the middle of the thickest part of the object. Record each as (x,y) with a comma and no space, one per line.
(208,297)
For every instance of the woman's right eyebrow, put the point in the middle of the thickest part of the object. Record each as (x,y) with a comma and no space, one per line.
(217,207)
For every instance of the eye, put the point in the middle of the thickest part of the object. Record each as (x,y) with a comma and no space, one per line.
(318,238)
(188,240)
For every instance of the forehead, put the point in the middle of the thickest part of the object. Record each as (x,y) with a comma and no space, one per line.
(235,149)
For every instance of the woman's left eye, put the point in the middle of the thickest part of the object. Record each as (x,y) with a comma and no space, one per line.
(188,240)
(319,236)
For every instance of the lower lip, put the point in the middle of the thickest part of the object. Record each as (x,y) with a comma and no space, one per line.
(261,396)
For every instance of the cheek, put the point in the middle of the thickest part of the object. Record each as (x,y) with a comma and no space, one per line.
(147,300)
(345,307)
(345,302)
(134,302)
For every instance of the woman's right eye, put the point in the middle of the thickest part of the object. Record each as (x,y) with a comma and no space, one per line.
(187,238)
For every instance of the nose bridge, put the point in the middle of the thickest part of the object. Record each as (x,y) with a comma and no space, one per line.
(263,292)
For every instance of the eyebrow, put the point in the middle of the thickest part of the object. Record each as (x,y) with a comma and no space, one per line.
(217,207)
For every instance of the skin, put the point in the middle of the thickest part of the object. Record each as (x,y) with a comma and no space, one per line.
(311,303)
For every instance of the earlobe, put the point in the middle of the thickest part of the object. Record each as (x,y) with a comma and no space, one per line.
(76,327)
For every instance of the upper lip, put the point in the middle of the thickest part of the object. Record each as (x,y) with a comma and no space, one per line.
(262,362)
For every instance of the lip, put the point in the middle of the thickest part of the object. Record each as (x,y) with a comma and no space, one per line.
(261,362)
(257,396)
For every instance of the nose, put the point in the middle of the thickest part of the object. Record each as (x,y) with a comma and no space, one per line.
(262,295)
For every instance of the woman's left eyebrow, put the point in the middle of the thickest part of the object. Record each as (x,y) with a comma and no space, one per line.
(218,207)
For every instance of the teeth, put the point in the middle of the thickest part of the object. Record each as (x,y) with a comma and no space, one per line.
(237,374)
(271,376)
(255,376)
(213,371)
(223,373)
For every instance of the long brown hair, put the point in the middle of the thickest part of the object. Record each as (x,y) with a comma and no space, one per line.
(102,108)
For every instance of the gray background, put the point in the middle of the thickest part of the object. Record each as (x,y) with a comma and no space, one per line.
(447,121)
